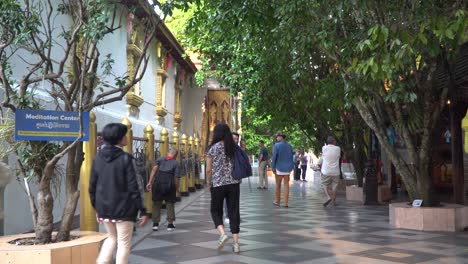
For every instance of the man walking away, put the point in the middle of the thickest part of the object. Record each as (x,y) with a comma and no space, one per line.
(303,165)
(297,170)
(330,169)
(163,183)
(262,166)
(282,165)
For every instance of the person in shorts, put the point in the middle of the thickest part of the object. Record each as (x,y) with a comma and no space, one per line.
(330,169)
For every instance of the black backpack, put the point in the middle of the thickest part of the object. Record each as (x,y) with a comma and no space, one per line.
(164,182)
(242,167)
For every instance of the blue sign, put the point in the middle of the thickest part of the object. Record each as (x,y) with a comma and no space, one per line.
(50,125)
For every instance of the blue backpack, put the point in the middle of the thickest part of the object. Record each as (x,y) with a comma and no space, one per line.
(242,168)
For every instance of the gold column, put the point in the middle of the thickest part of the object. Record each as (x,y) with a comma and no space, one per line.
(197,154)
(149,149)
(87,212)
(129,147)
(175,139)
(465,127)
(191,182)
(165,142)
(184,180)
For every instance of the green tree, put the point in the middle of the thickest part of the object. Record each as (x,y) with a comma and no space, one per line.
(66,62)
(345,52)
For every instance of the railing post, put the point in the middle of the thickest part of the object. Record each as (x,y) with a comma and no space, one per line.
(149,149)
(191,163)
(165,142)
(87,213)
(129,147)
(175,139)
(184,179)
(197,163)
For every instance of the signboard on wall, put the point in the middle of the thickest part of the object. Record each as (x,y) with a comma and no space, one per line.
(50,125)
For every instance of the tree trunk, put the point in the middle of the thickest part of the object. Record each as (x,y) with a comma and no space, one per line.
(378,126)
(74,160)
(359,159)
(45,218)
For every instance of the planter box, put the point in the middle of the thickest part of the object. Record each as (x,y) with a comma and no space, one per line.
(448,218)
(83,250)
(354,193)
(384,193)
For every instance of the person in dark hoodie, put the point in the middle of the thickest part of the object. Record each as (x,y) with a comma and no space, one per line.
(115,194)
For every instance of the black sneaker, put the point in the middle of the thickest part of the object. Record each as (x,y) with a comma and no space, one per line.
(155,226)
(170,227)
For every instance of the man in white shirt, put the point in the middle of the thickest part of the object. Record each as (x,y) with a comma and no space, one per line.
(330,169)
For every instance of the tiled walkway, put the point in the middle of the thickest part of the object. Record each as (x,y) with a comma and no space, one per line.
(306,232)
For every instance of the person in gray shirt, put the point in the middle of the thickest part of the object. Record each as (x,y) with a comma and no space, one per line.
(163,183)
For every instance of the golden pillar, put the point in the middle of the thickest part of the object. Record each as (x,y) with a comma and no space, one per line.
(184,179)
(465,127)
(191,156)
(87,212)
(129,147)
(197,162)
(175,139)
(149,150)
(164,142)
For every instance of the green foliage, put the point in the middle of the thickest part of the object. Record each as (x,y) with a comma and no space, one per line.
(15,24)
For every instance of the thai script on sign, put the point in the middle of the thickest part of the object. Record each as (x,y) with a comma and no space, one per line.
(52,125)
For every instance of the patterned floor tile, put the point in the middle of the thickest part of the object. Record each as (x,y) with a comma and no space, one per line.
(397,255)
(306,232)
(178,253)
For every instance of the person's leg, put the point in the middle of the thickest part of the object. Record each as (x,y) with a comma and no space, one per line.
(109,245)
(286,189)
(335,182)
(232,198)
(217,202)
(304,171)
(170,206)
(278,188)
(124,241)
(326,181)
(156,215)
(262,174)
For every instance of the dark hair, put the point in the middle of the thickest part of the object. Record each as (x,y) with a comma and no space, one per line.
(235,134)
(330,140)
(222,132)
(261,141)
(113,133)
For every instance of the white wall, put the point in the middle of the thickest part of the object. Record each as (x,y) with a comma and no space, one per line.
(17,212)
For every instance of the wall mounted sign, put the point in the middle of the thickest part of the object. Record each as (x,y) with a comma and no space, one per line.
(50,125)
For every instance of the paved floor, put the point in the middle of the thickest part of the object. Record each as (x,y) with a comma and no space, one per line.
(306,232)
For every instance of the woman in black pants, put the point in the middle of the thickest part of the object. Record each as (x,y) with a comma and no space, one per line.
(219,166)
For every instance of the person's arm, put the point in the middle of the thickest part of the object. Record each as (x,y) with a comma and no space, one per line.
(273,159)
(177,176)
(152,178)
(209,171)
(92,185)
(135,194)
(260,158)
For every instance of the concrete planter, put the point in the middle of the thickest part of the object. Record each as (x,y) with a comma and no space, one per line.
(384,193)
(354,193)
(448,218)
(83,250)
